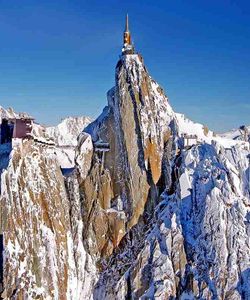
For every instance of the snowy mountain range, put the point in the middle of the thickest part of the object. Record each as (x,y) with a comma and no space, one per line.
(66,133)
(241,133)
(62,137)
(155,206)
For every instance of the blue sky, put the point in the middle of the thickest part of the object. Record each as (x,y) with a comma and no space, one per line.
(57,58)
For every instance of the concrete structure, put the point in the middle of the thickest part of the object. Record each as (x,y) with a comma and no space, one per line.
(15,128)
(22,127)
(189,140)
(100,148)
(128,48)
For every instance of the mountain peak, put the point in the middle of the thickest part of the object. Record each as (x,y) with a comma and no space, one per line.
(149,206)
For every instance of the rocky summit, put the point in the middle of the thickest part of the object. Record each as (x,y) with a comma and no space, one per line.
(154,206)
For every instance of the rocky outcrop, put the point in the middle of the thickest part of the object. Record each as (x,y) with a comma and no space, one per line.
(199,245)
(136,125)
(44,255)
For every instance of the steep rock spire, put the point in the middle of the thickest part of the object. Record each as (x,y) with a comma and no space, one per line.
(135,125)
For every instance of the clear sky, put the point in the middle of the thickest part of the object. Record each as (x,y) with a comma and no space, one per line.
(57,58)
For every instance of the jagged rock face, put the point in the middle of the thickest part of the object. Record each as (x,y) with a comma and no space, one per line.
(136,124)
(199,245)
(217,237)
(142,117)
(44,256)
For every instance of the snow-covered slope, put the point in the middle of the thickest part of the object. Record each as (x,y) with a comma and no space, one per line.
(242,133)
(10,113)
(66,133)
(63,137)
(7,113)
(199,244)
(186,126)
